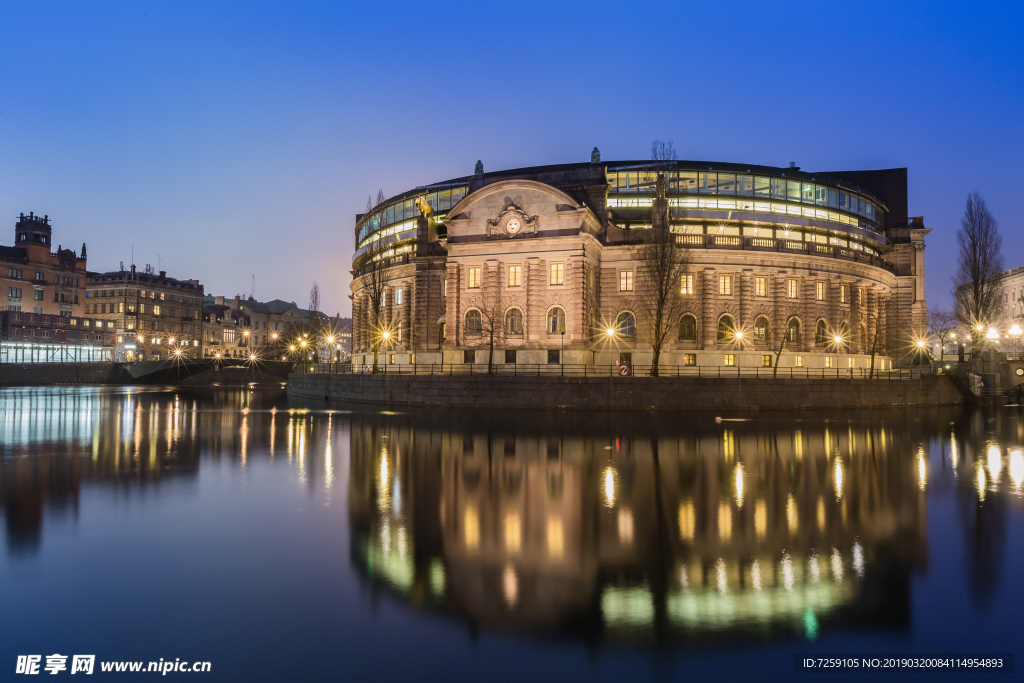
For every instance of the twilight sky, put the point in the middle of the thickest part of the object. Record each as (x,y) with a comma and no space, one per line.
(240,139)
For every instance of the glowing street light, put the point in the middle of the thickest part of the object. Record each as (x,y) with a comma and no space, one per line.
(330,340)
(739,334)
(992,333)
(610,331)
(177,352)
(252,357)
(920,344)
(386,335)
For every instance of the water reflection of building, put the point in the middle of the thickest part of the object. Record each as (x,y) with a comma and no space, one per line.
(739,527)
(54,440)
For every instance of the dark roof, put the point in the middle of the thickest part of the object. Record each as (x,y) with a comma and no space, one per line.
(13,253)
(838,179)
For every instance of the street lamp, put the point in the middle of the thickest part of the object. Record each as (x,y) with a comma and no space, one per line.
(839,344)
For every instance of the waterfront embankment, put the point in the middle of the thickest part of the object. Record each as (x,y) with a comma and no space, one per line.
(203,372)
(618,393)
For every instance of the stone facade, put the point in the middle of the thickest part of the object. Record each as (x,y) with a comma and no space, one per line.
(535,253)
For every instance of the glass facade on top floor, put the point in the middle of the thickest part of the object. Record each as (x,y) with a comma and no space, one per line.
(404,209)
(747,185)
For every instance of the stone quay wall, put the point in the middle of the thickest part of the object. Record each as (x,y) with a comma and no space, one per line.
(618,393)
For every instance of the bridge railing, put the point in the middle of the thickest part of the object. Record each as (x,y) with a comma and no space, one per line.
(616,370)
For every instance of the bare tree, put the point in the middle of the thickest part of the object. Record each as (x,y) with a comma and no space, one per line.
(980,260)
(663,263)
(876,340)
(376,275)
(777,338)
(942,323)
(314,318)
(491,327)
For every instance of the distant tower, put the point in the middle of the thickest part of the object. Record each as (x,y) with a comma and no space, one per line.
(32,230)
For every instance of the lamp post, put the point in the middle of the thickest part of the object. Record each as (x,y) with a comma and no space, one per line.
(839,345)
(330,350)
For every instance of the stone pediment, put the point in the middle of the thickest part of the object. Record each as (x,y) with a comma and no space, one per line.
(517,208)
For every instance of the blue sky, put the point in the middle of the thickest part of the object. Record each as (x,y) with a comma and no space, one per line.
(242,138)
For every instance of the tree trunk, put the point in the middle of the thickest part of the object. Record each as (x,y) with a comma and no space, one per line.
(375,357)
(654,361)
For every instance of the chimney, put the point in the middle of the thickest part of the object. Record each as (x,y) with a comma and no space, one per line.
(163,273)
(792,164)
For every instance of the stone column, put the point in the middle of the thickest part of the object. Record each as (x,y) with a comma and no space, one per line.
(708,296)
(746,299)
(533,274)
(576,309)
(453,325)
(856,345)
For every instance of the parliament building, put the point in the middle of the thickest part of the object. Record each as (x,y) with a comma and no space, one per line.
(548,258)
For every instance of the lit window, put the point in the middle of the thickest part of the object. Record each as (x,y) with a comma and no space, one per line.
(557,274)
(626,281)
(761,329)
(725,284)
(689,359)
(850,363)
(730,359)
(515,276)
(766,361)
(156,310)
(844,294)
(792,289)
(761,286)
(819,291)
(398,296)
(444,287)
(687,284)
(828,361)
(473,278)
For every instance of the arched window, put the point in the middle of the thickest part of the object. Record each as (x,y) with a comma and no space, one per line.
(474,323)
(514,323)
(821,333)
(726,328)
(625,324)
(793,331)
(556,320)
(688,328)
(761,329)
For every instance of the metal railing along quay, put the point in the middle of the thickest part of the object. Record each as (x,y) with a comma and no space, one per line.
(623,371)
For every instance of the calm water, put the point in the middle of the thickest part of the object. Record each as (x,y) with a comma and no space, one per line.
(289,541)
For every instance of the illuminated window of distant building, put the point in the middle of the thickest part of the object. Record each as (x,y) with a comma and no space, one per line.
(687,281)
(398,296)
(730,359)
(689,359)
(799,362)
(792,289)
(557,274)
(515,276)
(761,329)
(473,278)
(844,294)
(626,281)
(725,284)
(760,286)
(819,291)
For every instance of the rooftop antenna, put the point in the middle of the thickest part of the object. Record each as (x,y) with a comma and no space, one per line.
(252,293)
(159,262)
